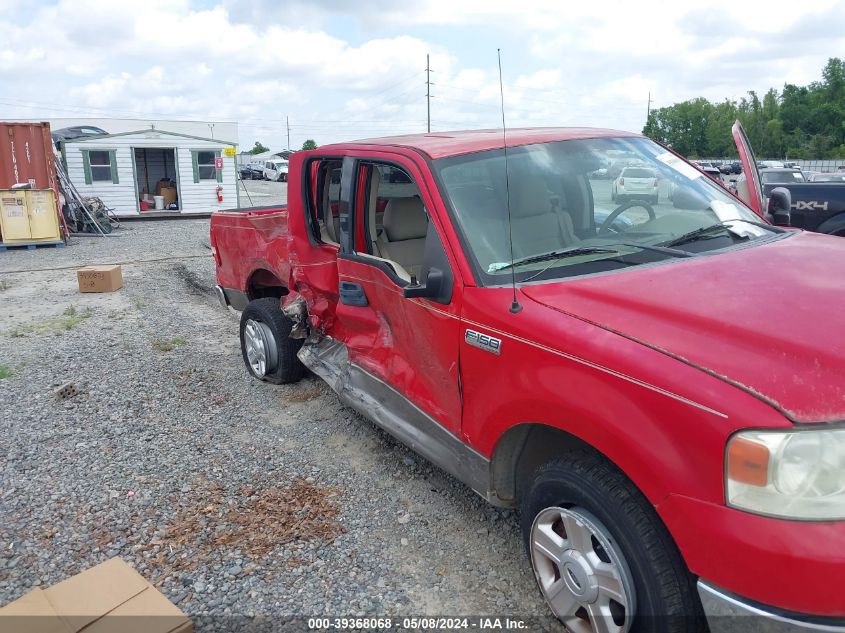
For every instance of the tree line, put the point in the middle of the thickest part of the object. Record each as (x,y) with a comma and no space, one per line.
(798,122)
(260,148)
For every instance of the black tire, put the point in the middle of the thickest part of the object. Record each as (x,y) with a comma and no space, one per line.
(288,367)
(666,596)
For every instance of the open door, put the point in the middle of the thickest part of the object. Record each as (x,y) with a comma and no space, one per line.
(750,190)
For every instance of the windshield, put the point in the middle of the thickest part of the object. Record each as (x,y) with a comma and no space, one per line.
(565,195)
(829,178)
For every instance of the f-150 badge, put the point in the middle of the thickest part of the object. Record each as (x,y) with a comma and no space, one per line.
(483,341)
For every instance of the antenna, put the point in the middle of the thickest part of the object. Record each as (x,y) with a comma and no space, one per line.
(515,307)
(428,92)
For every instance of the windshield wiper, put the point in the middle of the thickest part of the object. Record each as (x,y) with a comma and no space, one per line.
(551,255)
(657,248)
(712,228)
(586,250)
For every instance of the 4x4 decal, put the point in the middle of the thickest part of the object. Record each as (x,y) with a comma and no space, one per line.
(809,205)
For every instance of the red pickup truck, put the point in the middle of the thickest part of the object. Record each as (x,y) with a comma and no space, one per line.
(657,387)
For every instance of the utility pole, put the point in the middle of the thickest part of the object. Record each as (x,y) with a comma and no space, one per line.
(648,108)
(428,92)
(287,125)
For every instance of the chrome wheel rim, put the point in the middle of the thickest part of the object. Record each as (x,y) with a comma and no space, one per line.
(260,346)
(581,572)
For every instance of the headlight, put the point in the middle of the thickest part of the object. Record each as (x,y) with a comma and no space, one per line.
(793,474)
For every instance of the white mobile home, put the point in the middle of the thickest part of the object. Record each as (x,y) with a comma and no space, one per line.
(128,168)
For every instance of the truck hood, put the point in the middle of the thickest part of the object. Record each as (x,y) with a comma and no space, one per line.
(769,319)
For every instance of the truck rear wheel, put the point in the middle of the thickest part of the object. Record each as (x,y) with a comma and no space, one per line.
(603,560)
(267,349)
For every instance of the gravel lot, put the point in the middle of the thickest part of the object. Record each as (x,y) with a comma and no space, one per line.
(262,193)
(234,497)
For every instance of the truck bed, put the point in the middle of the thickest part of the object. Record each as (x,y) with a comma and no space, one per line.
(244,241)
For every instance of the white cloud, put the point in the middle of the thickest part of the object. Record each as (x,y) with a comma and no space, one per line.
(343,70)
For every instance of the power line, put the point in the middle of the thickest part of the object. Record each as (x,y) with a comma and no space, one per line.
(398,84)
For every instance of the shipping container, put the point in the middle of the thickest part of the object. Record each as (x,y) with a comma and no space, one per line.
(26,153)
(26,156)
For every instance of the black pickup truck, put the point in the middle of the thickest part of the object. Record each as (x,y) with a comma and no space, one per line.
(814,206)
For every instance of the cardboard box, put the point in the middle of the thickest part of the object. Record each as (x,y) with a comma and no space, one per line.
(169,194)
(109,598)
(164,182)
(100,278)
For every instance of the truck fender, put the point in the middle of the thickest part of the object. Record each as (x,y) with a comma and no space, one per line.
(833,226)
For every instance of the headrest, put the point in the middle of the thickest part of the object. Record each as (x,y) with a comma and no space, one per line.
(529,195)
(405,219)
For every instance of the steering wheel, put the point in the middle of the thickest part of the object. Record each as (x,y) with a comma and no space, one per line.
(605,226)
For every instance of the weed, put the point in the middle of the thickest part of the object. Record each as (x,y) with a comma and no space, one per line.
(4,285)
(139,303)
(168,346)
(70,319)
(5,372)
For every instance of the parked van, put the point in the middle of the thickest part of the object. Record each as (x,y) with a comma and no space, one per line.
(276,169)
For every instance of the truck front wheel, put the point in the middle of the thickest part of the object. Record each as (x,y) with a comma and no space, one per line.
(268,351)
(603,560)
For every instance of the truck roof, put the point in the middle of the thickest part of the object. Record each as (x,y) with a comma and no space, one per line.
(443,144)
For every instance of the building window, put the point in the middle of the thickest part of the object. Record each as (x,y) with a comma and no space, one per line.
(205,162)
(204,165)
(100,166)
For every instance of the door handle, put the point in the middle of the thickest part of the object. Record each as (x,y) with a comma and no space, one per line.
(352,294)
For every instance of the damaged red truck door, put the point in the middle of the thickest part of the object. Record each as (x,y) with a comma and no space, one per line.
(410,345)
(626,375)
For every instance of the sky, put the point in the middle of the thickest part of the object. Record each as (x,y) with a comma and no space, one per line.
(339,70)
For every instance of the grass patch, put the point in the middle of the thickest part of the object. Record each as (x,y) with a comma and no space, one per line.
(4,285)
(70,319)
(169,345)
(139,303)
(5,372)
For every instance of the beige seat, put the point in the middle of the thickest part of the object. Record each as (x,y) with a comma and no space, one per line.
(537,226)
(403,238)
(329,225)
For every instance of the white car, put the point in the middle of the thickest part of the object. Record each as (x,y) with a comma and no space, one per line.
(635,182)
(781,176)
(276,169)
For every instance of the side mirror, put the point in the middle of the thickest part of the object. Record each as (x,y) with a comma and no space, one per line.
(683,197)
(431,289)
(780,206)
